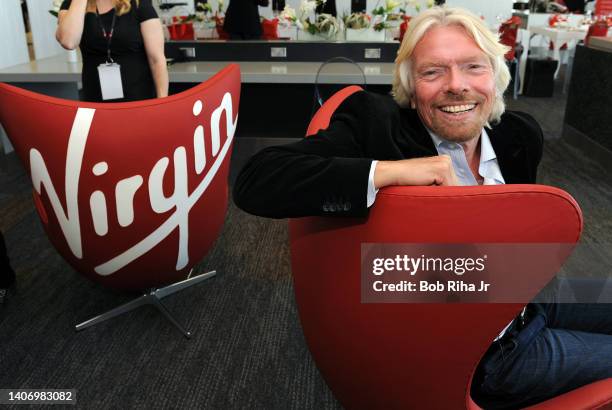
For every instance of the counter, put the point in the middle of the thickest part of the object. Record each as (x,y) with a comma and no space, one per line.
(57,69)
(601,43)
(265,97)
(587,122)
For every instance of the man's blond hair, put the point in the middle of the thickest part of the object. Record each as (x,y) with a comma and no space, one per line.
(403,79)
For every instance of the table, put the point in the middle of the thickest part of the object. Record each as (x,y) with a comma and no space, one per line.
(559,36)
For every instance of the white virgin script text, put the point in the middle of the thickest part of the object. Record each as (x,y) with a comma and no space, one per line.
(181,200)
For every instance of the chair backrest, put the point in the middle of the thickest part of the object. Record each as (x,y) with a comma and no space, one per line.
(415,355)
(321,118)
(133,194)
(223,35)
(269,29)
(181,29)
(597,29)
(508,32)
(404,27)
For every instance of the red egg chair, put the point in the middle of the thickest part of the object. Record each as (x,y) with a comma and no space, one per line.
(598,29)
(131,194)
(420,355)
(269,29)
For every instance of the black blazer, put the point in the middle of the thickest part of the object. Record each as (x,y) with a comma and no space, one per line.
(327,173)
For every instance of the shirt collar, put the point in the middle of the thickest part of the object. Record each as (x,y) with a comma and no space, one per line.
(486,149)
(436,140)
(489,167)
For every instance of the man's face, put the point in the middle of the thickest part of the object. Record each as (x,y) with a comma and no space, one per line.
(454,85)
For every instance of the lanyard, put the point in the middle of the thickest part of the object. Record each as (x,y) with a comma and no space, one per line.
(107,35)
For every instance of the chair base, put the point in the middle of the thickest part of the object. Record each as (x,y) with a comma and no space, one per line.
(153,297)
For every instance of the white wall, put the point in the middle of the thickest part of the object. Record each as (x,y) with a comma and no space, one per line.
(43,26)
(14,49)
(489,9)
(342,6)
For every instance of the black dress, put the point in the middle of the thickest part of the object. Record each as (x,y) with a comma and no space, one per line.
(329,7)
(242,19)
(127,50)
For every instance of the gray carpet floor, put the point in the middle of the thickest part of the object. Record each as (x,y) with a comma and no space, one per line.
(248,350)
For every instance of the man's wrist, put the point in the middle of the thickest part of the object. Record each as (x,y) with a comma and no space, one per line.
(383,175)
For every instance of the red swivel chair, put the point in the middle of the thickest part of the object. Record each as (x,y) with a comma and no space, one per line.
(508,32)
(132,194)
(223,35)
(404,27)
(181,29)
(597,29)
(269,29)
(411,355)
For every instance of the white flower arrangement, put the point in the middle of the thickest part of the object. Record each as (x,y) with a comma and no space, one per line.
(324,24)
(288,14)
(308,6)
(203,17)
(203,8)
(357,21)
(362,27)
(384,13)
(388,8)
(416,4)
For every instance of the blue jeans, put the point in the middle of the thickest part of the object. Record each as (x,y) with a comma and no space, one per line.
(562,347)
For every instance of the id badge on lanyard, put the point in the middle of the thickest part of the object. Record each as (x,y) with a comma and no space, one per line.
(109,72)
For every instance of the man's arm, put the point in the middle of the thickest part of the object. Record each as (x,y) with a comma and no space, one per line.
(313,176)
(534,137)
(328,173)
(323,174)
(436,170)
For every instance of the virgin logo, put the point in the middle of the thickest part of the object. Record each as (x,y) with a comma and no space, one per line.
(181,200)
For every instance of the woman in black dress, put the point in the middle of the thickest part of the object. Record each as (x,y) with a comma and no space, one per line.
(242,19)
(136,39)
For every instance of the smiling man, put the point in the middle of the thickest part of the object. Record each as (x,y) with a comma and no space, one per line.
(445,124)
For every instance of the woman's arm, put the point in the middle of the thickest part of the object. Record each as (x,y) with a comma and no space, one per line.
(70,24)
(153,36)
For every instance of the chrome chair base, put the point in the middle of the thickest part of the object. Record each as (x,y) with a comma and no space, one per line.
(153,297)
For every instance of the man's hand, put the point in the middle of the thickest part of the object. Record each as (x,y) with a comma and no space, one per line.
(417,171)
